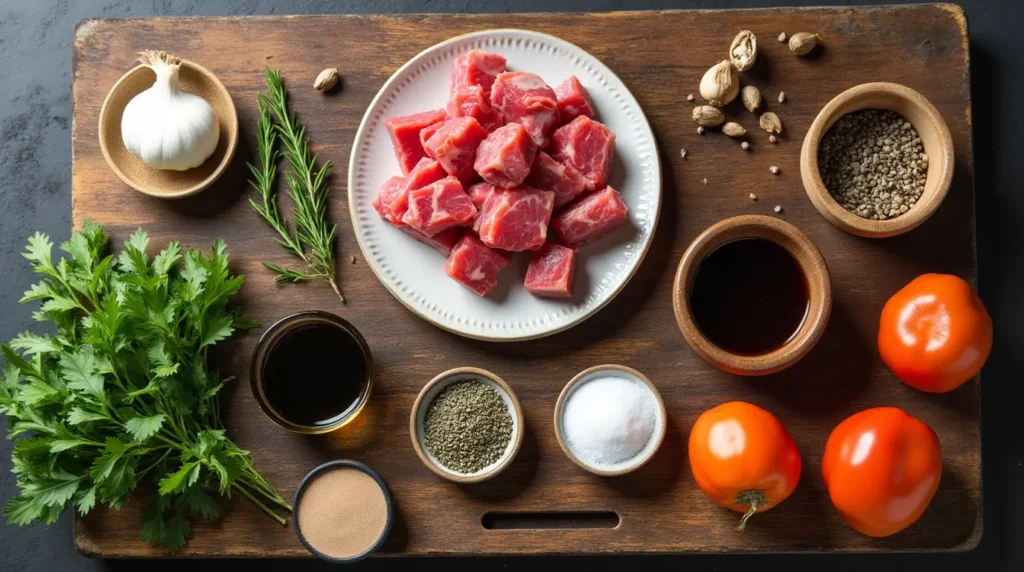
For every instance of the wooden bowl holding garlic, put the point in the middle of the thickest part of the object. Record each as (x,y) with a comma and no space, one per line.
(168,127)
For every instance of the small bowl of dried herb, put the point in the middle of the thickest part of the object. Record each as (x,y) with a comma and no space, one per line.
(466,425)
(878,160)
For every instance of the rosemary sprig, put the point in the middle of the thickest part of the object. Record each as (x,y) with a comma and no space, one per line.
(312,239)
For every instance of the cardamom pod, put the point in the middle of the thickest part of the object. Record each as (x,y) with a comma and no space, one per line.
(751,98)
(326,80)
(743,50)
(707,116)
(771,122)
(720,84)
(734,129)
(802,43)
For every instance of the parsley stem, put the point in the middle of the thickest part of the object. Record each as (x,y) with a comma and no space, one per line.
(237,486)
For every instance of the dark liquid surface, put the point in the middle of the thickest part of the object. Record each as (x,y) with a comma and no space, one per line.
(314,374)
(749,296)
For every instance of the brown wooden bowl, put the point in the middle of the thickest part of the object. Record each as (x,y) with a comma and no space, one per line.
(935,138)
(426,397)
(819,286)
(158,183)
(646,454)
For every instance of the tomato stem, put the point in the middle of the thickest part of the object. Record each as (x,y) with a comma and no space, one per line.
(754,500)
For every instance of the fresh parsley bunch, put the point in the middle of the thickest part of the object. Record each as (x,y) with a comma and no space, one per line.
(122,392)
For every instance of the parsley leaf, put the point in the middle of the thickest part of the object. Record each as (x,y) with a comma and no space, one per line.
(122,392)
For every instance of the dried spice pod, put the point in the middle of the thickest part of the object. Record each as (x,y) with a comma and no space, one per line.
(743,50)
(771,122)
(734,129)
(708,116)
(720,84)
(326,80)
(803,43)
(751,97)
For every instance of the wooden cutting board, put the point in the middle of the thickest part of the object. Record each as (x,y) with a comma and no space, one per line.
(661,57)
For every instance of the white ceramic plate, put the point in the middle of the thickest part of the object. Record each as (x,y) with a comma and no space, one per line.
(414,273)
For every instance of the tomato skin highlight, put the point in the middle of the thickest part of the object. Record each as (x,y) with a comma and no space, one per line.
(881,468)
(935,334)
(739,448)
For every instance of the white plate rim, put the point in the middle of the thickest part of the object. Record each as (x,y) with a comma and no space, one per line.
(353,215)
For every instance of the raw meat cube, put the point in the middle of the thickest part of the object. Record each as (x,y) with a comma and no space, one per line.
(476,68)
(439,206)
(386,196)
(590,218)
(573,100)
(516,219)
(405,136)
(588,147)
(524,98)
(428,132)
(454,146)
(425,172)
(504,157)
(471,101)
(550,175)
(442,242)
(551,271)
(474,265)
(480,192)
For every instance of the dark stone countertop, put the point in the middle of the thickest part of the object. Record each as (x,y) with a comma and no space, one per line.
(35,187)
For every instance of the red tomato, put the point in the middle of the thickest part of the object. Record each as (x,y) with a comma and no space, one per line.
(935,333)
(882,468)
(743,458)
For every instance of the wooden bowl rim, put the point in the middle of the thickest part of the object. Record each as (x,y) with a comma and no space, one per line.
(517,412)
(848,221)
(659,437)
(229,153)
(816,273)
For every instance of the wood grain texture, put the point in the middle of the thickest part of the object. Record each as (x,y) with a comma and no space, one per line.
(661,57)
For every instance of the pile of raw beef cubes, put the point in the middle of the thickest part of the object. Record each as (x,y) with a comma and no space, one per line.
(508,158)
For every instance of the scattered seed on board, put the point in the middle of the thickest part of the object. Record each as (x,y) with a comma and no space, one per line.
(774,170)
(690,97)
(778,208)
(700,131)
(682,153)
(753,197)
(745,146)
(353,260)
(782,96)
(782,37)
(772,139)
(705,181)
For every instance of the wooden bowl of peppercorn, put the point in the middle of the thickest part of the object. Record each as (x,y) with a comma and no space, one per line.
(461,422)
(888,173)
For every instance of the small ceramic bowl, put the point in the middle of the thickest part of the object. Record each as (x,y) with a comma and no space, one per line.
(330,466)
(273,335)
(160,183)
(426,397)
(935,139)
(819,285)
(623,467)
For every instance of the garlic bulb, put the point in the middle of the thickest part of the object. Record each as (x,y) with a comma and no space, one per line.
(165,127)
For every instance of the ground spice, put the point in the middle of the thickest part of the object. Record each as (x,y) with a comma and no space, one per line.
(342,512)
(467,426)
(873,163)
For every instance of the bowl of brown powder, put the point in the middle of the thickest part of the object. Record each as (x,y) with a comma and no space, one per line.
(343,511)
(466,425)
(878,160)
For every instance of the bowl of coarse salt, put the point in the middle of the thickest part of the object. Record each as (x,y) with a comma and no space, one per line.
(610,420)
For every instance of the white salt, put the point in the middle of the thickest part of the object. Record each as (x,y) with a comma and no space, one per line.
(608,420)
